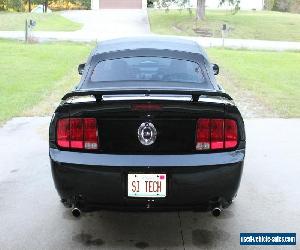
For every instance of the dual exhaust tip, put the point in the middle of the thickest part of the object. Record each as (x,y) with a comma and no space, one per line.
(216,212)
(76,212)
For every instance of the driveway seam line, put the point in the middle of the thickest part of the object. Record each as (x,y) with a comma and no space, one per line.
(182,239)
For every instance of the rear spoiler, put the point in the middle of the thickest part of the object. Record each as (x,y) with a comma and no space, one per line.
(196,95)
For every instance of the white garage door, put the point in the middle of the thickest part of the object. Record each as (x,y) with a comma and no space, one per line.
(120,4)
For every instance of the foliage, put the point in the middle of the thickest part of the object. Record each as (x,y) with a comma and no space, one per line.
(69,4)
(11,5)
(150,3)
(295,6)
(269,4)
(183,3)
(235,3)
(167,3)
(283,5)
(200,12)
(22,5)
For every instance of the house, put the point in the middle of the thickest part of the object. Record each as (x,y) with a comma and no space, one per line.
(142,4)
(118,4)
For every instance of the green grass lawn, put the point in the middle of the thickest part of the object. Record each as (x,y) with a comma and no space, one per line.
(273,77)
(35,76)
(45,22)
(265,25)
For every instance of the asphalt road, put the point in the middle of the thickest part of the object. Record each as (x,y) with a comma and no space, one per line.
(31,216)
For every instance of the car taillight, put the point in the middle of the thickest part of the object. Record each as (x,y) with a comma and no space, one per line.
(203,134)
(90,133)
(77,133)
(231,134)
(214,134)
(63,133)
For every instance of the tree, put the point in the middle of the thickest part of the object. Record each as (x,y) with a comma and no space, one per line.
(201,7)
(16,5)
(235,3)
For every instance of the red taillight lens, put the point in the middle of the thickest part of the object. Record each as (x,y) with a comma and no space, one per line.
(216,134)
(77,133)
(90,133)
(203,134)
(63,133)
(231,134)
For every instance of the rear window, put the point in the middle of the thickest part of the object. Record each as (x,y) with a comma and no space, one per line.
(148,69)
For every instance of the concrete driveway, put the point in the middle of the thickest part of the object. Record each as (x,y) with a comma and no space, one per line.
(105,24)
(33,218)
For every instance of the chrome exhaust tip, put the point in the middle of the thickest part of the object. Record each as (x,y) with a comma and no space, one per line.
(76,212)
(216,211)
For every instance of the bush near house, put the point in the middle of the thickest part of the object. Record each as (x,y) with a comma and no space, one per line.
(70,5)
(283,5)
(295,6)
(22,5)
(150,3)
(12,5)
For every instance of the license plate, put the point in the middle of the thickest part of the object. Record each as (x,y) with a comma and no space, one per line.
(147,185)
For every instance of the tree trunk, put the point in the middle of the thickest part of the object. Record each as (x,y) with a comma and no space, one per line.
(29,5)
(200,9)
(46,6)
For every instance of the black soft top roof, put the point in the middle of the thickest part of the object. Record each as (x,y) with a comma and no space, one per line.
(161,46)
(150,42)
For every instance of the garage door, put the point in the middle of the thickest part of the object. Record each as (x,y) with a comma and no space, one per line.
(120,4)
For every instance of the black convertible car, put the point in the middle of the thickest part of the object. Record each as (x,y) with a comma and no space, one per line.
(147,128)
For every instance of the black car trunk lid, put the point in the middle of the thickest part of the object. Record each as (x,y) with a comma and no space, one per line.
(174,123)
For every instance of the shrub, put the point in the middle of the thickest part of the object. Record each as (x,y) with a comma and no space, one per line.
(282,5)
(150,3)
(12,5)
(295,6)
(69,5)
(22,5)
(269,4)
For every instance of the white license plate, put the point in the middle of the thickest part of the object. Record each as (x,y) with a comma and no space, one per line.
(147,185)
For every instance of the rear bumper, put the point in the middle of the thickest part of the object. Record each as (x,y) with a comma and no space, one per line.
(98,181)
